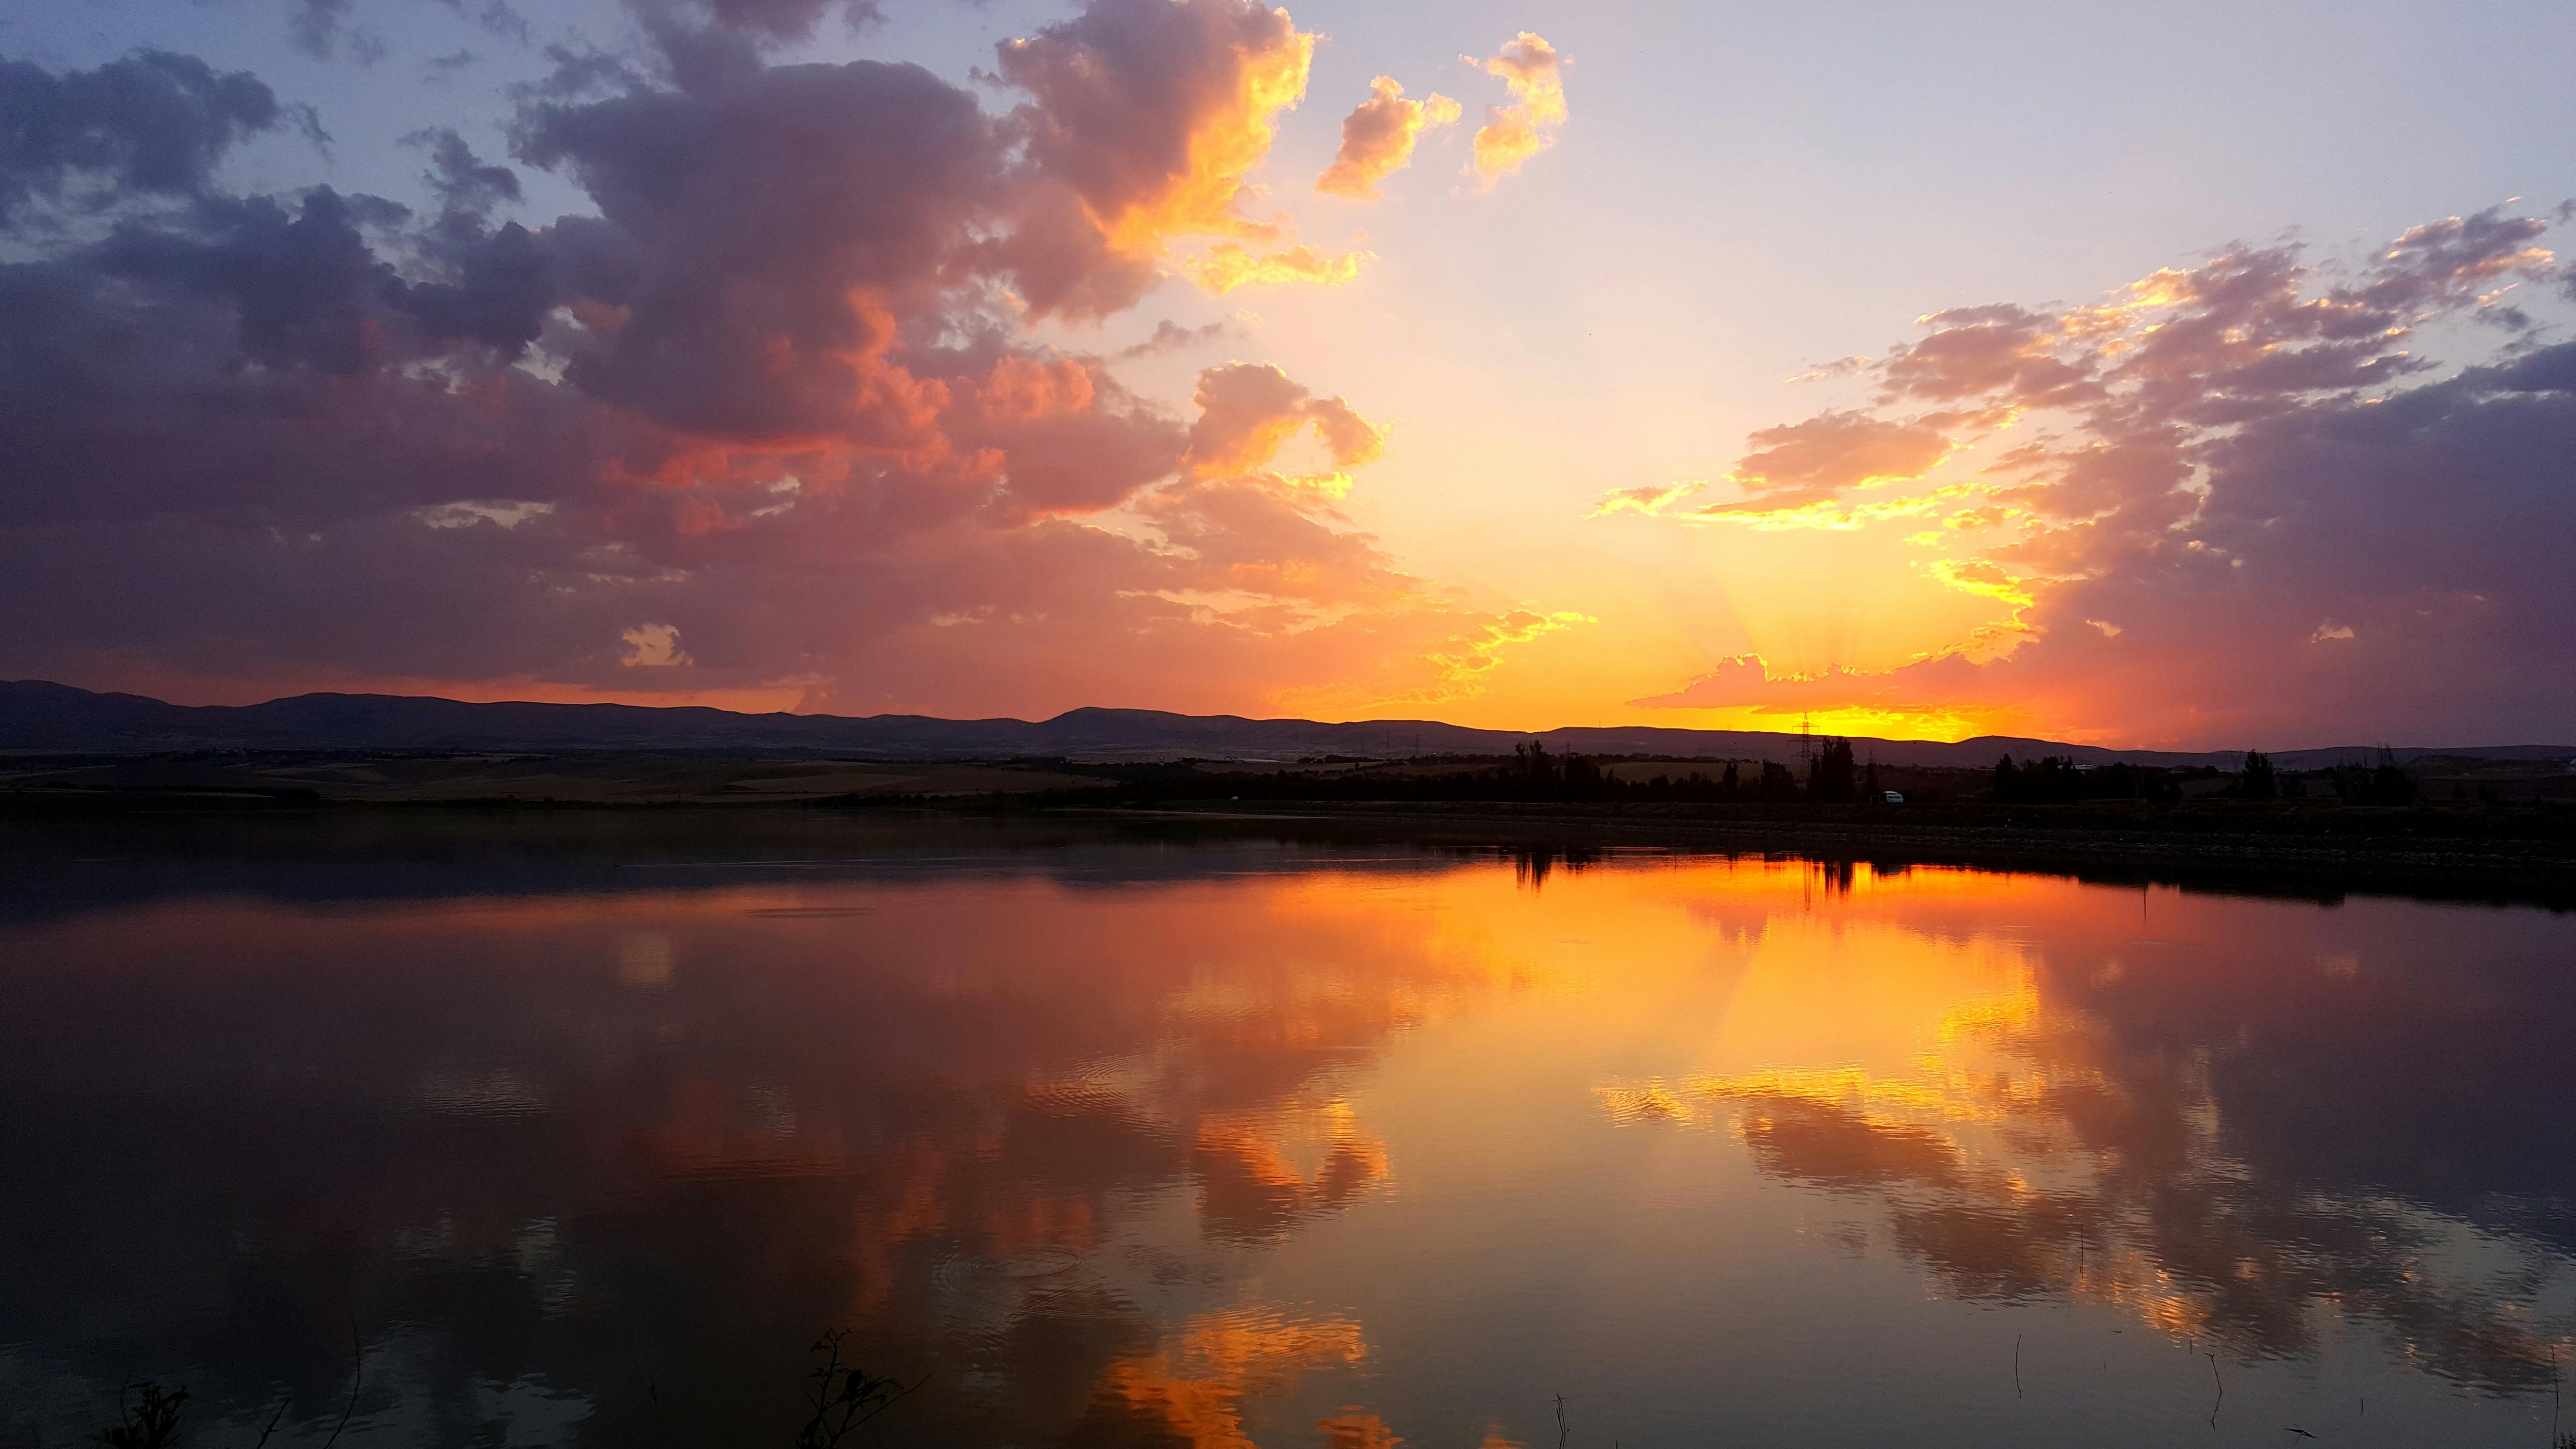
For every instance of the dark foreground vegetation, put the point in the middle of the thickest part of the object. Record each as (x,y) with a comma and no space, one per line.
(841,1398)
(2363,825)
(2361,797)
(2468,816)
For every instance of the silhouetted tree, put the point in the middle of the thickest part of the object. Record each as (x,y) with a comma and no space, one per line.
(1778,783)
(2052,779)
(2362,785)
(1731,786)
(2390,785)
(1584,780)
(1829,776)
(1869,791)
(1536,767)
(2257,782)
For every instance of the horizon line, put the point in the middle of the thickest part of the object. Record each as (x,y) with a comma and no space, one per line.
(1256,719)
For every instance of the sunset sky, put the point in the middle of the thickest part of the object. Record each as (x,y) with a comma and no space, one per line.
(2195,375)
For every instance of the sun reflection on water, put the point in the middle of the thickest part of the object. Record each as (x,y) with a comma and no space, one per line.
(1293,1151)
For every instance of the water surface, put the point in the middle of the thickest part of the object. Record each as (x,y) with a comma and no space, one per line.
(1241,1141)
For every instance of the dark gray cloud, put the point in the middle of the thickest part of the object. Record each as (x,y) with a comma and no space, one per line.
(788,20)
(462,181)
(499,17)
(303,280)
(777,227)
(503,288)
(321,29)
(152,124)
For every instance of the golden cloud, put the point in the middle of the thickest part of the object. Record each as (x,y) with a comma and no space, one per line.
(1155,118)
(1460,666)
(1647,499)
(1512,134)
(1227,265)
(1378,138)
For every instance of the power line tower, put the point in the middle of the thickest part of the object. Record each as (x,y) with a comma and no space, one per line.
(1806,742)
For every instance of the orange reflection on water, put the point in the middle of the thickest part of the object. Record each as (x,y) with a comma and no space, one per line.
(2020,1149)
(1134,1158)
(1193,1390)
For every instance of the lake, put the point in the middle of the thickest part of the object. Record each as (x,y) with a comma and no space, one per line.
(500,1131)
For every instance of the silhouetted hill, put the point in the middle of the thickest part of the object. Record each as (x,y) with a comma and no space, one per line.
(40,716)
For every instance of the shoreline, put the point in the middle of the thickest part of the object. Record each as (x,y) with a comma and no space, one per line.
(2503,868)
(2322,854)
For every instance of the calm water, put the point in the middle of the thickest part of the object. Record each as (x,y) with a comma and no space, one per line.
(1247,1142)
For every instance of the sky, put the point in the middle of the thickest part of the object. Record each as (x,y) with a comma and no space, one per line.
(2195,377)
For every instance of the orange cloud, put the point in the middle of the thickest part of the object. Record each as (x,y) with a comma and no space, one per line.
(1512,134)
(1152,112)
(1227,265)
(1023,389)
(1378,138)
(1248,411)
(1252,66)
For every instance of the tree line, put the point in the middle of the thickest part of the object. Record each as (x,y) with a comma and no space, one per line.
(2057,779)
(1533,773)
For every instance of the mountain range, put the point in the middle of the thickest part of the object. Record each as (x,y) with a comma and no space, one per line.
(37,716)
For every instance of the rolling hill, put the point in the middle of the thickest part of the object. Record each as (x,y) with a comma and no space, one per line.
(41,717)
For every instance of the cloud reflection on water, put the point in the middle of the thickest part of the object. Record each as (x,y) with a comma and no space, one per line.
(592,1166)
(2037,1147)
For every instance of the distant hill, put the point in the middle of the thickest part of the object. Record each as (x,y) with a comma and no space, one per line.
(40,716)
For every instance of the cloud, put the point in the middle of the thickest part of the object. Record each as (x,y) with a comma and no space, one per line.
(1249,411)
(153,124)
(1171,336)
(1466,658)
(321,27)
(462,181)
(1460,653)
(1145,117)
(780,21)
(1512,134)
(1378,138)
(2236,450)
(499,17)
(1746,680)
(1831,453)
(1840,367)
(1649,499)
(653,646)
(762,297)
(1226,266)
(773,390)
(1977,351)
